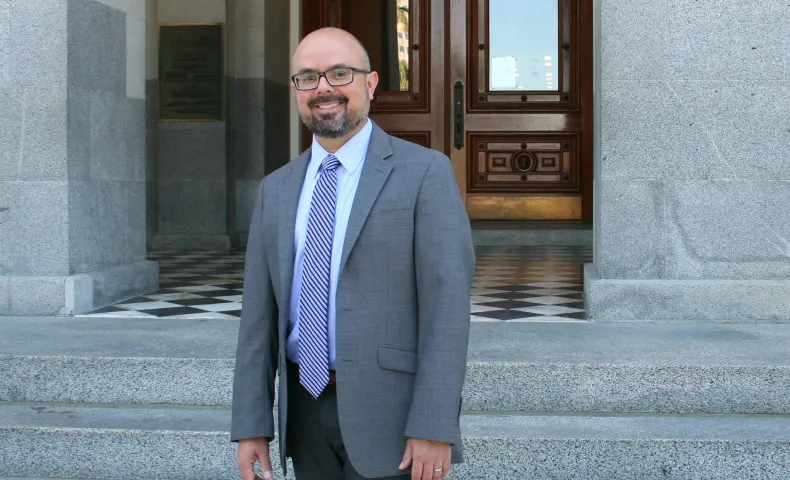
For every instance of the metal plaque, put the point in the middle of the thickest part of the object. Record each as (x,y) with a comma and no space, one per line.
(192,72)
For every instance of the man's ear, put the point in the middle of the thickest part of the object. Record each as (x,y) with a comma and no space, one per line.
(372,81)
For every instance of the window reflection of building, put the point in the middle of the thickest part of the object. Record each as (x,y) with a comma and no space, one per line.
(403,43)
(503,73)
(527,30)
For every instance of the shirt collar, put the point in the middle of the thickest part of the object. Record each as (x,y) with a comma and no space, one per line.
(350,154)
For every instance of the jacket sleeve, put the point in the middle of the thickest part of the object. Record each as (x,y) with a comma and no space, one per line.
(252,413)
(444,265)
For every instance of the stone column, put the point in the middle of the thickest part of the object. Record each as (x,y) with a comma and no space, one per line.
(258,102)
(151,119)
(72,155)
(192,190)
(693,175)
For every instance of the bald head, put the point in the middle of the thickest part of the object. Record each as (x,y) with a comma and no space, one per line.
(335,86)
(332,43)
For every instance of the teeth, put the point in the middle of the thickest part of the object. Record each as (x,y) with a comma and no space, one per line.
(329,105)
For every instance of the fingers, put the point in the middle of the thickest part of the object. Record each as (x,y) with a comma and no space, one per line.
(267,474)
(427,471)
(407,456)
(417,470)
(246,468)
(437,471)
(429,460)
(249,452)
(247,472)
(266,466)
(446,466)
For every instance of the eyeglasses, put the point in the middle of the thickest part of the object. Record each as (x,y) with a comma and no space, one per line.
(335,76)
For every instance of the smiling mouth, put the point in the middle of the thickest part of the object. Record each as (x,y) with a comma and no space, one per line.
(327,106)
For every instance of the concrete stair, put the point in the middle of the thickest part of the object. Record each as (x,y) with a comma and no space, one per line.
(531,233)
(87,398)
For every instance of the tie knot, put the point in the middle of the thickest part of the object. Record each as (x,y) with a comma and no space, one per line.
(330,162)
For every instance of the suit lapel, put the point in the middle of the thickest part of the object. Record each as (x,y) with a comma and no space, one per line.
(291,189)
(375,172)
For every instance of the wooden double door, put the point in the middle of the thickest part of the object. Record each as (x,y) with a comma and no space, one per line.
(503,87)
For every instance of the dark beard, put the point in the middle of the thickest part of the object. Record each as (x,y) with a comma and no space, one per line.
(329,126)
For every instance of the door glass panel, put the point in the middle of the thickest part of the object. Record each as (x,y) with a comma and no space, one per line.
(383,28)
(524,45)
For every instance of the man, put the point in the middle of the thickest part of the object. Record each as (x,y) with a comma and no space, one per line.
(357,280)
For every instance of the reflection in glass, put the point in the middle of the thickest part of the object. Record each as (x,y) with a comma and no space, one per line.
(523,45)
(383,28)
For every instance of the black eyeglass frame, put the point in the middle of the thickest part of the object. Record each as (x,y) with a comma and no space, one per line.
(323,74)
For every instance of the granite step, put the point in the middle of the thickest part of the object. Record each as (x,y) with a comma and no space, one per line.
(153,443)
(546,367)
(530,234)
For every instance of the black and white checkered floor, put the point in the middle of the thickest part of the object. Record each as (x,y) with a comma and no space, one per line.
(529,284)
(516,284)
(191,285)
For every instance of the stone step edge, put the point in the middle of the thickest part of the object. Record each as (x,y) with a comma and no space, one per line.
(196,419)
(500,447)
(464,412)
(505,386)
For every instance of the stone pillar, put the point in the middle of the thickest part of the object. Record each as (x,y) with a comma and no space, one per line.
(258,102)
(692,182)
(192,177)
(151,120)
(72,146)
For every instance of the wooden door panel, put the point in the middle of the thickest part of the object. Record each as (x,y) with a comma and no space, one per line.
(492,122)
(403,122)
(520,207)
(518,162)
(420,138)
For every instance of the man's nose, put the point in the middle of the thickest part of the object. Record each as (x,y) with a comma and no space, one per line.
(324,86)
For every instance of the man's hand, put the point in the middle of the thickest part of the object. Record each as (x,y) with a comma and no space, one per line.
(250,450)
(427,456)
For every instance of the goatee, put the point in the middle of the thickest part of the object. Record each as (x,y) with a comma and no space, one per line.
(332,125)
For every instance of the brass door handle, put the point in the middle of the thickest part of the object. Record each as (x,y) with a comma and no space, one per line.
(458,115)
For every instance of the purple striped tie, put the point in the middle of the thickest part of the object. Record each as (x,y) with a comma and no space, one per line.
(314,298)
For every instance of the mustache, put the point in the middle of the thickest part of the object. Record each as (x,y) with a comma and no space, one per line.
(327,98)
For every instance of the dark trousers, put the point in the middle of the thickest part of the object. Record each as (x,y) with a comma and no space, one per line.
(314,439)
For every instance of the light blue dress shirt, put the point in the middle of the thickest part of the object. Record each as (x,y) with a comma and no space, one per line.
(351,156)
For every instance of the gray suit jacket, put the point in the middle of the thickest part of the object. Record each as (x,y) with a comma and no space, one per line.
(402,306)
